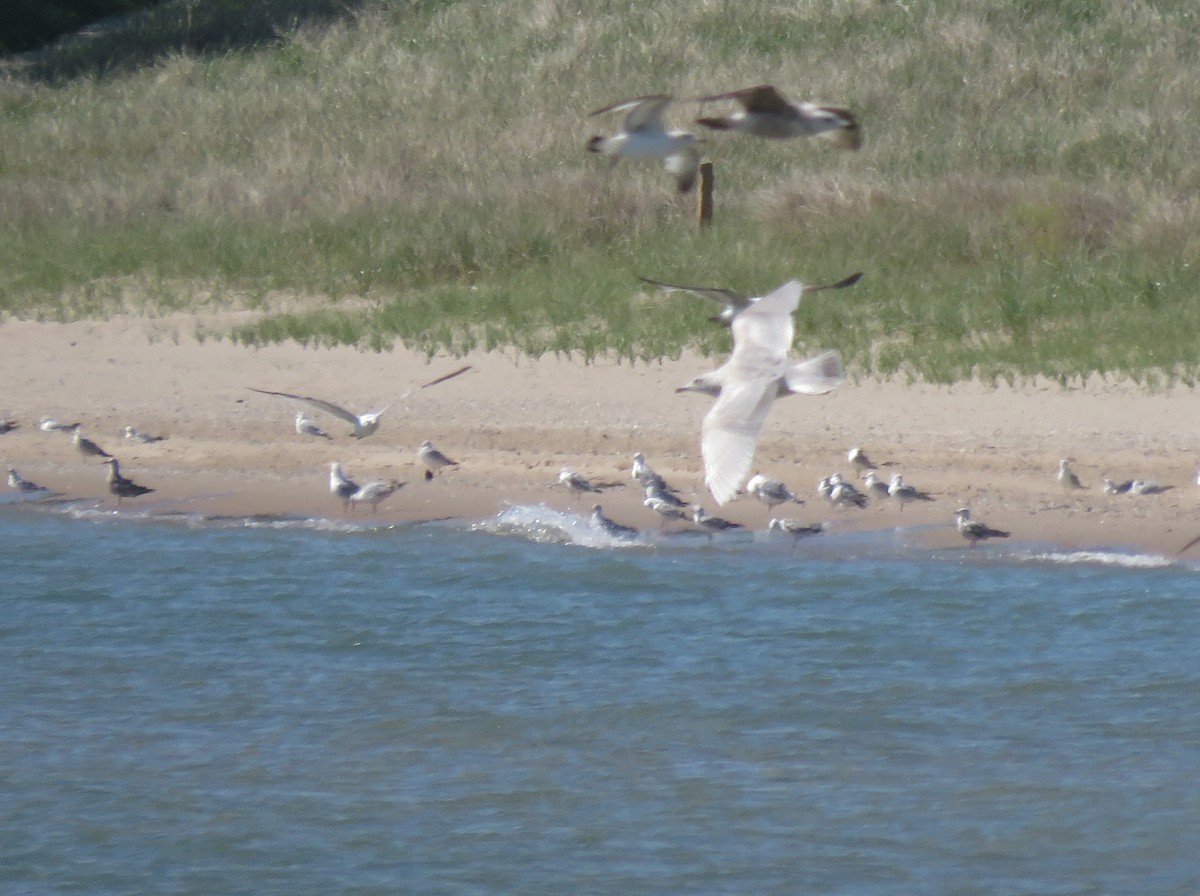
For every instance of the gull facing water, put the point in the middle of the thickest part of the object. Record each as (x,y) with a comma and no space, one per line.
(666,509)
(974,531)
(747,384)
(904,493)
(796,528)
(610,527)
(734,303)
(711,524)
(767,113)
(643,136)
(120,486)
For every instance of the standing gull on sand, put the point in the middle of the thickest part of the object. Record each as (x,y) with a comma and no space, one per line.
(610,527)
(767,113)
(903,493)
(665,509)
(364,424)
(1067,478)
(120,486)
(577,484)
(306,427)
(374,493)
(340,485)
(643,136)
(711,524)
(771,491)
(49,424)
(974,531)
(876,487)
(145,438)
(23,485)
(734,303)
(747,384)
(87,447)
(433,459)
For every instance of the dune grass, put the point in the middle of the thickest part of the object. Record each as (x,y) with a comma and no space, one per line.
(1025,202)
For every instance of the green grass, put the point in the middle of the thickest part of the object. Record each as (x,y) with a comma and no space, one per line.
(1024,203)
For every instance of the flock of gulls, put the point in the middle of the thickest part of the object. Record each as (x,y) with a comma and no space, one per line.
(759,370)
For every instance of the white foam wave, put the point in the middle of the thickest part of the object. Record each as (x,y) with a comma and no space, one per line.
(1103,558)
(546,525)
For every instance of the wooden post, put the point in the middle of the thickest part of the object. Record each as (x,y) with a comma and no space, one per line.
(704,204)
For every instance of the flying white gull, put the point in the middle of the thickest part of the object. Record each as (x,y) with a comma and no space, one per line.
(610,527)
(433,459)
(974,531)
(734,303)
(341,486)
(136,435)
(643,136)
(374,493)
(23,485)
(120,486)
(767,113)
(747,384)
(771,491)
(1066,476)
(364,424)
(904,493)
(306,427)
(87,447)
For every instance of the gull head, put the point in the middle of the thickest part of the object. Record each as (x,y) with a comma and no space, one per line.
(705,384)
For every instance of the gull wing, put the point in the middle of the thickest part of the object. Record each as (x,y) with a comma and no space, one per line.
(645,112)
(336,410)
(763,98)
(729,434)
(765,326)
(716,293)
(817,375)
(440,379)
(838,284)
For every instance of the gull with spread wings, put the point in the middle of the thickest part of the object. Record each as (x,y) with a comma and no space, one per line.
(768,113)
(735,302)
(644,136)
(745,386)
(364,424)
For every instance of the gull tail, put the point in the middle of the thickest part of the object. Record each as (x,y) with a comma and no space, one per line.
(818,375)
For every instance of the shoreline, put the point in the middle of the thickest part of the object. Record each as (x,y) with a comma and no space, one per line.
(513,423)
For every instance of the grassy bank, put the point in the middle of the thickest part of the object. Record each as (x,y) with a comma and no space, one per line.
(1025,201)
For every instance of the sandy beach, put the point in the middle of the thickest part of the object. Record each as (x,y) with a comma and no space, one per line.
(513,422)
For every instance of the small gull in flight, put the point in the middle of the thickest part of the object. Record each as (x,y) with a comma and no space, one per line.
(87,447)
(120,486)
(364,424)
(904,493)
(734,303)
(610,527)
(746,385)
(643,136)
(771,491)
(145,438)
(374,493)
(433,459)
(767,113)
(973,530)
(1067,478)
(23,485)
(340,485)
(306,427)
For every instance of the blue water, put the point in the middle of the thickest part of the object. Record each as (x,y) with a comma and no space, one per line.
(285,707)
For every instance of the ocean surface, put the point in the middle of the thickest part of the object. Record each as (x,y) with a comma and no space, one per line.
(522,705)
